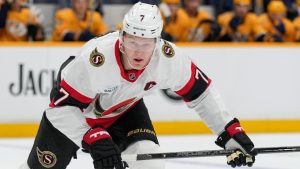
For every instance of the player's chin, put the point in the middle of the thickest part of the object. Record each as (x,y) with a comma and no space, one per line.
(139,65)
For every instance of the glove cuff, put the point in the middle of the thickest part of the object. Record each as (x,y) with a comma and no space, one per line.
(95,134)
(231,129)
(234,127)
(222,139)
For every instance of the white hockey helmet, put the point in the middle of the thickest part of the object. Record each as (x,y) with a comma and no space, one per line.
(143,20)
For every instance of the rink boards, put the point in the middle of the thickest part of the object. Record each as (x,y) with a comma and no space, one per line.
(259,83)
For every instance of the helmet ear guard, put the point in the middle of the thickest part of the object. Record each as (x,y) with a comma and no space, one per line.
(143,20)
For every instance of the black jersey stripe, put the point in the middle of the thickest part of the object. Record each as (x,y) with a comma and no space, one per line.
(197,84)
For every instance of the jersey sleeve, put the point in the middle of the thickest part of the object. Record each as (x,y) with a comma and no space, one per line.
(73,86)
(197,83)
(187,79)
(197,91)
(290,31)
(296,23)
(256,28)
(61,25)
(223,20)
(98,24)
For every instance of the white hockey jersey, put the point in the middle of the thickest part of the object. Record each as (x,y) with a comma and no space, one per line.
(96,82)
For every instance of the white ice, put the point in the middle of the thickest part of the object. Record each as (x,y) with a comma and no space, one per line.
(15,151)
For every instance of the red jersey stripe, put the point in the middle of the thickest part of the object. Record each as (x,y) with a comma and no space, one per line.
(190,83)
(106,122)
(74,93)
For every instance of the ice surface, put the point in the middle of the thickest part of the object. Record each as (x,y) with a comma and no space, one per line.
(13,152)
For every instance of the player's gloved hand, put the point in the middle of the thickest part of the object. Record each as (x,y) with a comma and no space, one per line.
(269,38)
(280,28)
(31,30)
(235,22)
(104,151)
(235,138)
(86,35)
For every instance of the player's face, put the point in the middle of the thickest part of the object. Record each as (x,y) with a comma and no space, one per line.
(16,4)
(276,17)
(138,51)
(173,8)
(192,5)
(241,10)
(80,6)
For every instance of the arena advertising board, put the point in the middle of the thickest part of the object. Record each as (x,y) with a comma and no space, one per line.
(254,82)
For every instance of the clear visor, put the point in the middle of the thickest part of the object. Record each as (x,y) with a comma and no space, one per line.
(138,44)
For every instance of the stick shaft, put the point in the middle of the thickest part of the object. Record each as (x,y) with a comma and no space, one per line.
(206,153)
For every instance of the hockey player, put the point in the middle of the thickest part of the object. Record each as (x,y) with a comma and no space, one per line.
(296,23)
(199,22)
(187,24)
(276,24)
(78,23)
(97,103)
(240,25)
(20,23)
(174,23)
(4,8)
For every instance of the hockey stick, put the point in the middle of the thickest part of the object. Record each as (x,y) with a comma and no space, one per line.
(205,153)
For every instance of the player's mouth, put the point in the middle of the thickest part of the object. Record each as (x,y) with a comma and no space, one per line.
(138,60)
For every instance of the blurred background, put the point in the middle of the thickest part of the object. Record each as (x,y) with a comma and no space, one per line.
(248,47)
(184,20)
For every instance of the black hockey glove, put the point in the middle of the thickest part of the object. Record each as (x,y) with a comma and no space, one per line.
(235,22)
(269,38)
(86,36)
(235,138)
(104,151)
(280,28)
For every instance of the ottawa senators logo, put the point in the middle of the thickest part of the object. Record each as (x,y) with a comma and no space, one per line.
(168,50)
(46,158)
(96,58)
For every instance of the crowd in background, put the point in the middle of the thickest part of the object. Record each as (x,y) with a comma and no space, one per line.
(184,21)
